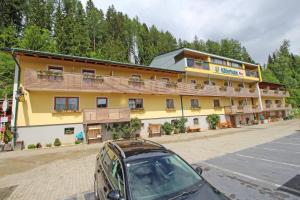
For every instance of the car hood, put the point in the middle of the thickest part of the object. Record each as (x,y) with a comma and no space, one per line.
(205,192)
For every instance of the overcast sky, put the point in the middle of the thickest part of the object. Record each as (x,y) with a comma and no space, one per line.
(260,25)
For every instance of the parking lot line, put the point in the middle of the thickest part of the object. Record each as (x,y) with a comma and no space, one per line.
(267,160)
(279,150)
(286,143)
(251,178)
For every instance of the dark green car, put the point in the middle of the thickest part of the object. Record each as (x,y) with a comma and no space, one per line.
(144,170)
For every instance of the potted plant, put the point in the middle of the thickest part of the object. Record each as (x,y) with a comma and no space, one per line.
(57,142)
(213,120)
(167,127)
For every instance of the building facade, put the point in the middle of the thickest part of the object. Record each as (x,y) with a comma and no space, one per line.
(58,96)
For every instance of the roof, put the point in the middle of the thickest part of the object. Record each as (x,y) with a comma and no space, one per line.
(43,54)
(165,60)
(272,85)
(130,148)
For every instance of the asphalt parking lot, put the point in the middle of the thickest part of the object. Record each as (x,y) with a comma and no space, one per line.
(266,171)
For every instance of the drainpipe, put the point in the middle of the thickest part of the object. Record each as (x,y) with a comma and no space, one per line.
(259,98)
(15,100)
(181,103)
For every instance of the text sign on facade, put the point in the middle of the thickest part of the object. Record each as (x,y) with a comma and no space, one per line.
(4,119)
(228,71)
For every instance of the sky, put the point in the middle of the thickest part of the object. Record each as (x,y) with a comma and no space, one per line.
(260,25)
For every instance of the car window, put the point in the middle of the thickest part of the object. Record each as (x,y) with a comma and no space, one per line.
(102,153)
(107,159)
(160,177)
(117,176)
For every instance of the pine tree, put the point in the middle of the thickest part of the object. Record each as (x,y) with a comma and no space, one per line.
(40,13)
(11,13)
(36,38)
(94,21)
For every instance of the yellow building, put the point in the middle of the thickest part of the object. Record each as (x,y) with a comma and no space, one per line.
(57,96)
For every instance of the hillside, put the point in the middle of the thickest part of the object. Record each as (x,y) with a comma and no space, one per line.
(64,26)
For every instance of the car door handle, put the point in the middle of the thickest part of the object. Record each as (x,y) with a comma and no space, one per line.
(105,189)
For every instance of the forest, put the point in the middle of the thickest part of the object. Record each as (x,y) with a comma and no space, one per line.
(67,27)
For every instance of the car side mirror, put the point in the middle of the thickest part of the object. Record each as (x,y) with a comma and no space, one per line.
(199,170)
(114,195)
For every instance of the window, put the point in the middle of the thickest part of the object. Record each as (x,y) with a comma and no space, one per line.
(277,102)
(69,131)
(107,159)
(237,65)
(170,103)
(196,121)
(268,102)
(116,174)
(88,71)
(217,103)
(101,102)
(136,76)
(241,85)
(211,83)
(55,68)
(66,103)
(193,81)
(242,102)
(135,104)
(149,173)
(194,103)
(218,61)
(164,79)
(190,62)
(227,83)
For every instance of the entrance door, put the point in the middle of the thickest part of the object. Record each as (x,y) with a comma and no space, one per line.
(232,121)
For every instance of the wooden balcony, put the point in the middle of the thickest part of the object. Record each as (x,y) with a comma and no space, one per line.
(76,82)
(232,110)
(274,93)
(275,107)
(106,115)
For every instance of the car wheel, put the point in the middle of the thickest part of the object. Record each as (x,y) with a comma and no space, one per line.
(96,190)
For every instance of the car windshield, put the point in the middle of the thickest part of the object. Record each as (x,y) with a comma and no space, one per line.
(160,177)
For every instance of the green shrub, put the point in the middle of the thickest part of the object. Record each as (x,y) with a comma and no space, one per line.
(179,124)
(39,145)
(167,127)
(77,142)
(57,142)
(31,146)
(213,120)
(125,130)
(295,112)
(7,134)
(49,145)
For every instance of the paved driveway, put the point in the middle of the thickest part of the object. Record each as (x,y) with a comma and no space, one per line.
(67,172)
(266,171)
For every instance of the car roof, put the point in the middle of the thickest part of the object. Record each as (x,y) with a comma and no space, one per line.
(132,148)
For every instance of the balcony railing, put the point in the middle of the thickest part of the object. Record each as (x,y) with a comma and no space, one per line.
(106,115)
(274,93)
(274,107)
(231,110)
(75,82)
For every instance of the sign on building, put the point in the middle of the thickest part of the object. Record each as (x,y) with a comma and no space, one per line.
(228,71)
(3,119)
